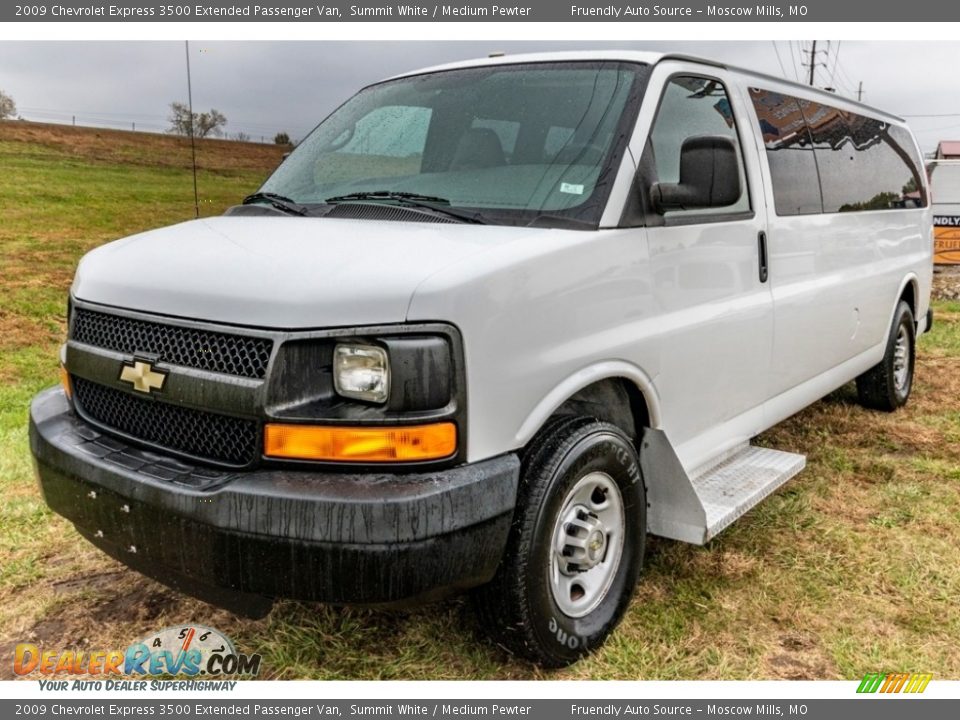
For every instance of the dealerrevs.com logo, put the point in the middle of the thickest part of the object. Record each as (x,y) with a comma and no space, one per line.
(191,650)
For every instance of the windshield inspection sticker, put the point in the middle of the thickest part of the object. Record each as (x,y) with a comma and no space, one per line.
(571,189)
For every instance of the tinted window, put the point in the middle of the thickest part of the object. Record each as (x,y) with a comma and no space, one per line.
(793,168)
(862,165)
(823,159)
(693,106)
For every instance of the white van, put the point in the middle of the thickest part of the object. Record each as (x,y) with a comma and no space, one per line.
(486,328)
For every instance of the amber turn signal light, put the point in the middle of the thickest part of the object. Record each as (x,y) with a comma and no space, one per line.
(360,444)
(65,381)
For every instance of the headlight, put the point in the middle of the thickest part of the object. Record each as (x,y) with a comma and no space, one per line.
(361,372)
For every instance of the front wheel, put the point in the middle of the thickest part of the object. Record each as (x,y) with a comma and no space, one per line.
(887,385)
(575,548)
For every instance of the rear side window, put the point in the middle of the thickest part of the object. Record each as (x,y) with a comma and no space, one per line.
(796,186)
(823,159)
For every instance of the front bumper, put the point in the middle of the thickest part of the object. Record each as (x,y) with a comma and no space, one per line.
(240,539)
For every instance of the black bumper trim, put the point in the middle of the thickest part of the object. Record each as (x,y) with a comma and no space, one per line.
(333,537)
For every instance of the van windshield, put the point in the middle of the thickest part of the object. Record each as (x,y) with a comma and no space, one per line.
(535,143)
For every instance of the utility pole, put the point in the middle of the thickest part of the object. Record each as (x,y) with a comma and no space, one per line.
(860,92)
(813,62)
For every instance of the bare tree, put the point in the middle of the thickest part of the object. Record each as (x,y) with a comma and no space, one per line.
(281,138)
(205,124)
(242,137)
(8,108)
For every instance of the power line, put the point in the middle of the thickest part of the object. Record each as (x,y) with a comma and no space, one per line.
(836,61)
(779,61)
(921,131)
(845,79)
(932,115)
(125,115)
(793,59)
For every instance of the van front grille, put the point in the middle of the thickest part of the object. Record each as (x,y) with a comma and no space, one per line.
(241,355)
(202,435)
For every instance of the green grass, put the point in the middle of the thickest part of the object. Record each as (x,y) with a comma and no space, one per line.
(851,568)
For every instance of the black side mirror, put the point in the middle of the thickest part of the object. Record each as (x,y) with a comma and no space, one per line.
(709,176)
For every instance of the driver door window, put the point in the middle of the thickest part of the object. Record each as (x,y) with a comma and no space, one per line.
(691,106)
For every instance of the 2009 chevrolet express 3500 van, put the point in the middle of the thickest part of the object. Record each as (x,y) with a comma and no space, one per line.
(488,326)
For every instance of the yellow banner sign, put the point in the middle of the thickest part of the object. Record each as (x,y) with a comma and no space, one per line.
(946,240)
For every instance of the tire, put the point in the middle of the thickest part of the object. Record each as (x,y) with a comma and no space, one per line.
(887,385)
(577,477)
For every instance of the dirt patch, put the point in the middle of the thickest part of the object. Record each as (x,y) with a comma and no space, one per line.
(946,283)
(86,581)
(45,632)
(798,657)
(134,606)
(17,331)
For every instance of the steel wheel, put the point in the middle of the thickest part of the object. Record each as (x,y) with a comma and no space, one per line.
(587,544)
(901,358)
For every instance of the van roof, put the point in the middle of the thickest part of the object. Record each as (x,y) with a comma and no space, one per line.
(650,58)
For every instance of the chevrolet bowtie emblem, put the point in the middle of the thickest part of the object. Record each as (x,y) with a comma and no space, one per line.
(142,376)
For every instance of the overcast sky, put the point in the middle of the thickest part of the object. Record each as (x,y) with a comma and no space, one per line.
(266,87)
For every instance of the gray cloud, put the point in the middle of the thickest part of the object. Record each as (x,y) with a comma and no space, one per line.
(265,87)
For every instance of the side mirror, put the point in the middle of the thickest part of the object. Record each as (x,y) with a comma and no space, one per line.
(709,176)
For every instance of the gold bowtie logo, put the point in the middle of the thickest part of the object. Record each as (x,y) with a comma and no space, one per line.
(142,376)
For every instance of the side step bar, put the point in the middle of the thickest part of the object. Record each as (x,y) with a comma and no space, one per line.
(695,507)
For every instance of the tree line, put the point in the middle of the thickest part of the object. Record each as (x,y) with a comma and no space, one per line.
(182,121)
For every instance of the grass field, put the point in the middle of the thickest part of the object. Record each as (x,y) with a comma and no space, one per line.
(851,568)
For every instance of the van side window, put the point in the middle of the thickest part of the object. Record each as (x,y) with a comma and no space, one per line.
(793,168)
(823,159)
(862,166)
(692,106)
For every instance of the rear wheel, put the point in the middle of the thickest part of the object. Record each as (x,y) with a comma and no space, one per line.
(887,385)
(575,548)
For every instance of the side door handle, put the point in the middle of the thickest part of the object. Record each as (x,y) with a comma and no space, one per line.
(762,253)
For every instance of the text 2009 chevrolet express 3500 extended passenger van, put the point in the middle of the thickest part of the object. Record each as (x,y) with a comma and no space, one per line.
(487,327)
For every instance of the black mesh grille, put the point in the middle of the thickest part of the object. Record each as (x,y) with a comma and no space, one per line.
(224,439)
(203,349)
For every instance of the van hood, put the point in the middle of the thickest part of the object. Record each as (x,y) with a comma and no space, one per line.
(280,272)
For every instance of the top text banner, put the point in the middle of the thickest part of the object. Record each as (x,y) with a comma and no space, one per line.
(507,11)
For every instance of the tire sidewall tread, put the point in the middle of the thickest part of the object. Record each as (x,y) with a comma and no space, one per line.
(517,607)
(877,388)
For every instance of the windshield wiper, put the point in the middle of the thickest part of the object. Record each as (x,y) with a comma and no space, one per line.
(280,202)
(406,199)
(388,195)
